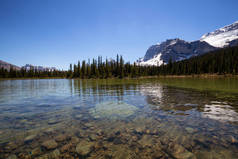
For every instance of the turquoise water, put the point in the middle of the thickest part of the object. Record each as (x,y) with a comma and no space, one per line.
(145,118)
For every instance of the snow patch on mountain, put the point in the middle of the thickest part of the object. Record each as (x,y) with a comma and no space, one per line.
(175,50)
(173,42)
(178,49)
(156,61)
(223,36)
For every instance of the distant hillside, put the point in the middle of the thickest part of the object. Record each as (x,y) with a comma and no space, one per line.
(222,61)
(7,66)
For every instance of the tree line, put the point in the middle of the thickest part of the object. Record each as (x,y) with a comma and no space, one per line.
(32,73)
(108,69)
(222,61)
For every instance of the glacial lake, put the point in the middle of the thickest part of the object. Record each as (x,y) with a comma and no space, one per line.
(122,119)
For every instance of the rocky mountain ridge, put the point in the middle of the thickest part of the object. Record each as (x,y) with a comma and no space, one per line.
(178,49)
(8,66)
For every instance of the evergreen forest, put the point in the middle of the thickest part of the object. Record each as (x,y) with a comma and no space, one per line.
(222,61)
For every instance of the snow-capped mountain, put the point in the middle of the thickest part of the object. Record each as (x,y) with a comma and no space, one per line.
(222,37)
(174,49)
(29,67)
(177,49)
(7,66)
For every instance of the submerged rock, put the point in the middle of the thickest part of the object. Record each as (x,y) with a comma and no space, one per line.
(36,151)
(12,157)
(74,140)
(93,137)
(191,105)
(50,144)
(233,139)
(117,141)
(99,132)
(189,129)
(120,152)
(61,138)
(49,130)
(55,154)
(11,146)
(78,116)
(66,147)
(89,125)
(29,138)
(53,121)
(178,151)
(146,140)
(45,156)
(84,148)
(139,130)
(111,109)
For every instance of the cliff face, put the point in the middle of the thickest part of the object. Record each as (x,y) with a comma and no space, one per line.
(174,49)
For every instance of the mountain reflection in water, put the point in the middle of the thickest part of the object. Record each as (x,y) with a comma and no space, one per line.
(115,119)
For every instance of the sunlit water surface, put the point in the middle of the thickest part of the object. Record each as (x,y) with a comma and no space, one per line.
(146,118)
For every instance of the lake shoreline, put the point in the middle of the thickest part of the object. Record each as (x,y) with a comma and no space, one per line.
(200,76)
(142,77)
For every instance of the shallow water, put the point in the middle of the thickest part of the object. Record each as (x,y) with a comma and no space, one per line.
(145,118)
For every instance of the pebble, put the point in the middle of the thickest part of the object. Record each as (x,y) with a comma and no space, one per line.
(11,146)
(36,151)
(65,147)
(99,132)
(74,140)
(55,154)
(29,138)
(147,131)
(117,141)
(146,140)
(233,140)
(89,125)
(12,157)
(189,130)
(84,148)
(61,138)
(49,130)
(178,151)
(134,138)
(78,116)
(50,144)
(139,130)
(51,122)
(92,137)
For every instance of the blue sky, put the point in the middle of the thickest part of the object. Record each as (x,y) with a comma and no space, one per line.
(60,32)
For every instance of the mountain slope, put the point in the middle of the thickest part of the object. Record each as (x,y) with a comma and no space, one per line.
(221,61)
(223,36)
(177,49)
(7,66)
(174,49)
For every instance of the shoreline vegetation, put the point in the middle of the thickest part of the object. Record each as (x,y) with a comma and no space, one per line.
(219,63)
(195,76)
